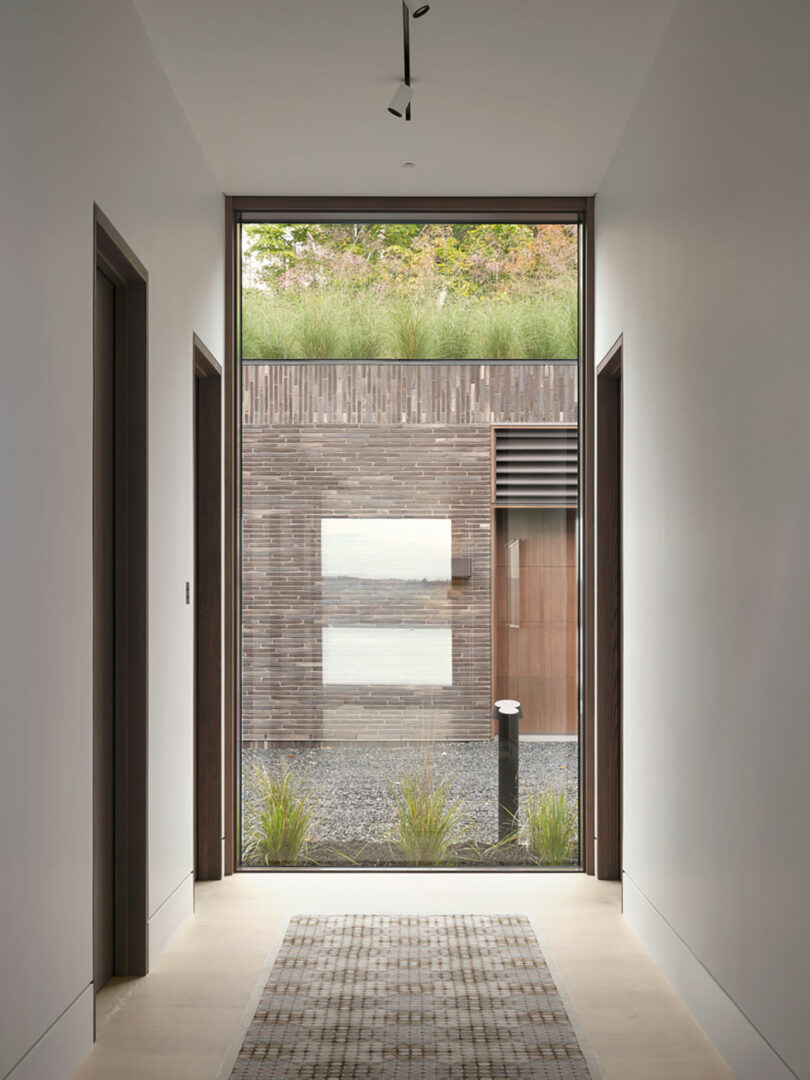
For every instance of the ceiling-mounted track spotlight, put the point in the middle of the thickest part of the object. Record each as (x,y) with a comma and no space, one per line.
(401,100)
(401,103)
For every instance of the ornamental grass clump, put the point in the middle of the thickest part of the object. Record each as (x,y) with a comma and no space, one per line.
(266,328)
(550,828)
(319,327)
(429,821)
(278,815)
(454,333)
(363,338)
(550,326)
(499,331)
(412,330)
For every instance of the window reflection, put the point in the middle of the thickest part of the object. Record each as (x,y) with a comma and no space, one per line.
(388,655)
(380,620)
(402,549)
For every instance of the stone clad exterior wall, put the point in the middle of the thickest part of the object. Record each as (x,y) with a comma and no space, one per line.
(371,440)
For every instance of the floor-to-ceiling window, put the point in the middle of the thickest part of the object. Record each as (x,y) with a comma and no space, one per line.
(409,543)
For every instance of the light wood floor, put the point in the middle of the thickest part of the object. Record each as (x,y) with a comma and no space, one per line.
(176,1023)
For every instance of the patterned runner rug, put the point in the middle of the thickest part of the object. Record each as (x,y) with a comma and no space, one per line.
(412,997)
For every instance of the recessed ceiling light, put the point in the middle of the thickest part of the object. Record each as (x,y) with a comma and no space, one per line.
(408,164)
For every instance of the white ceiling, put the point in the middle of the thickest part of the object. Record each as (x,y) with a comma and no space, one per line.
(511,97)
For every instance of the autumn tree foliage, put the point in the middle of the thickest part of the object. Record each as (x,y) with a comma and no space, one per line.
(460,260)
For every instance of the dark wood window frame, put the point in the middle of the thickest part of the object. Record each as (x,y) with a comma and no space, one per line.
(239,209)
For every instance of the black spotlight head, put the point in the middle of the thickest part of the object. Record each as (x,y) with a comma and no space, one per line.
(423,9)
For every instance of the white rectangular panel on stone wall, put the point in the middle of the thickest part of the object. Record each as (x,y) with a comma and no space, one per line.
(389,656)
(387,548)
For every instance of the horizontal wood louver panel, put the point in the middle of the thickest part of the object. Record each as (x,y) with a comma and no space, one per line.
(535,466)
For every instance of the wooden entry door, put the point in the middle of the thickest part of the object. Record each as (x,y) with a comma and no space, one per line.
(535,616)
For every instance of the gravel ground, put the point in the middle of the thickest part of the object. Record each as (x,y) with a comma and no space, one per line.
(355,805)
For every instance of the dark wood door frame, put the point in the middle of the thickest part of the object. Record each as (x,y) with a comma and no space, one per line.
(573,210)
(128,515)
(207,613)
(609,625)
(103,630)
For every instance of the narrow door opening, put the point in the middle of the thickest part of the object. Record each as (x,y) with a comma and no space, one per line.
(609,615)
(104,634)
(207,613)
(119,609)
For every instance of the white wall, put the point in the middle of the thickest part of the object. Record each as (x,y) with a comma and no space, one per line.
(703,262)
(87,114)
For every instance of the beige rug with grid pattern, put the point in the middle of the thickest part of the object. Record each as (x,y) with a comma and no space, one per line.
(412,997)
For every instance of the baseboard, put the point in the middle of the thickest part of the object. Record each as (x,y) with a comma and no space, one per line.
(57,1053)
(747,1053)
(170,917)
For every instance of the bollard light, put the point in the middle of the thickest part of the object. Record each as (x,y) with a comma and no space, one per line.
(508,713)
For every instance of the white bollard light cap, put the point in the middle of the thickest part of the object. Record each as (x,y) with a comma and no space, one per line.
(508,707)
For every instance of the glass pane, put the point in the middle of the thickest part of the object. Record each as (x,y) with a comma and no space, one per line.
(410,291)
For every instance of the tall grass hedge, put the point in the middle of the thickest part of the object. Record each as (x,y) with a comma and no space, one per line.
(324,324)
